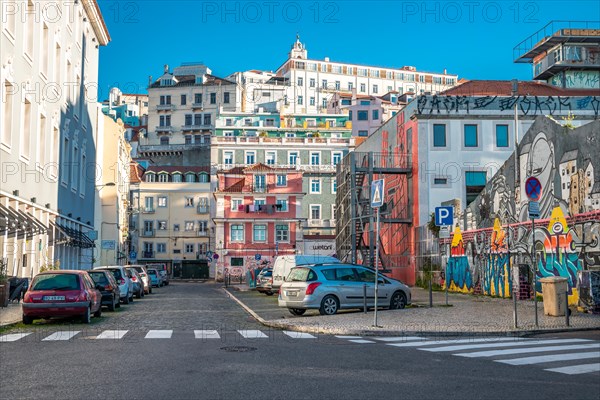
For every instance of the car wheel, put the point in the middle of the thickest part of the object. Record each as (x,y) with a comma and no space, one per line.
(329,305)
(398,301)
(297,311)
(112,305)
(27,320)
(131,298)
(118,305)
(150,291)
(126,301)
(139,294)
(269,293)
(87,317)
(98,313)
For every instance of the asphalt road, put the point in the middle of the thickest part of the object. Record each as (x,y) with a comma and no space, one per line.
(201,353)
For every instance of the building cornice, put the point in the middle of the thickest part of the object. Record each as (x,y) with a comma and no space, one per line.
(95,16)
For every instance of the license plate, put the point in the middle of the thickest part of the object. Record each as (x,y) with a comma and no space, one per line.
(53,298)
(292,294)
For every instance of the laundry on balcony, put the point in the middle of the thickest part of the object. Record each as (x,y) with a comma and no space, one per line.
(16,222)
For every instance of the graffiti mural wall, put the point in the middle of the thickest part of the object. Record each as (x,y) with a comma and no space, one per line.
(494,251)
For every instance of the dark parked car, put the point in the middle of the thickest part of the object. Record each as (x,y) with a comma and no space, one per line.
(65,293)
(110,288)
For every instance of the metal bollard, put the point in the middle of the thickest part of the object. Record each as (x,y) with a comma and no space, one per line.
(430,294)
(567,310)
(515,309)
(365,298)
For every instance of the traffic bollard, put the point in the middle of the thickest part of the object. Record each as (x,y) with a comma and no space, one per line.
(567,310)
(365,299)
(515,309)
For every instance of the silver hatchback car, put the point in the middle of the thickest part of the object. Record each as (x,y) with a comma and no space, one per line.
(331,287)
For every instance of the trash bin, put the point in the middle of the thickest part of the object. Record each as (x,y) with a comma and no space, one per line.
(554,290)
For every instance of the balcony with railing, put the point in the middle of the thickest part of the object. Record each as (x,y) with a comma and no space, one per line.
(566,57)
(148,210)
(165,107)
(148,254)
(164,130)
(202,233)
(148,233)
(196,106)
(202,209)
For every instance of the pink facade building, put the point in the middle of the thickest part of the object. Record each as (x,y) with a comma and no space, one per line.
(258,216)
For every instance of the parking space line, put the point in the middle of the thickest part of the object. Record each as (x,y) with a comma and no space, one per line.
(252,334)
(112,334)
(361,341)
(396,338)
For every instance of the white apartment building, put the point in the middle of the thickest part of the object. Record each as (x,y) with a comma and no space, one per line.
(182,107)
(313,82)
(48,71)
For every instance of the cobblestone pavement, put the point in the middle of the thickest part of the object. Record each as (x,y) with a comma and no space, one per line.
(179,306)
(466,314)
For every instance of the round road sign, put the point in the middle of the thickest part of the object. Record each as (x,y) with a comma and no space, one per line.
(533,188)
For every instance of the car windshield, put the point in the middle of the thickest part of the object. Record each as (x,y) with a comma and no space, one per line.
(99,277)
(268,273)
(151,272)
(116,273)
(298,275)
(56,282)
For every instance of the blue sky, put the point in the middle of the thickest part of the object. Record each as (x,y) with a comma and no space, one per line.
(473,39)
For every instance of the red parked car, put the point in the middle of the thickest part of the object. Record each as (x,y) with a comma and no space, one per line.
(65,293)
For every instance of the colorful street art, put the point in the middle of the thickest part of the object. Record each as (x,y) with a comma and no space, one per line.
(490,255)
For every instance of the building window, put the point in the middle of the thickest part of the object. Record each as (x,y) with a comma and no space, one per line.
(163,177)
(363,87)
(336,157)
(471,136)
(189,248)
(150,177)
(162,201)
(501,135)
(176,227)
(270,157)
(300,81)
(282,233)
(162,225)
(226,97)
(293,157)
(189,202)
(281,180)
(334,185)
(207,121)
(474,183)
(324,103)
(236,204)
(148,228)
(260,233)
(161,247)
(148,249)
(198,98)
(190,177)
(312,82)
(363,133)
(164,141)
(375,114)
(203,177)
(213,98)
(349,113)
(281,205)
(250,157)
(189,226)
(300,100)
(312,101)
(176,177)
(315,211)
(237,233)
(363,115)
(315,186)
(183,99)
(315,158)
(202,227)
(228,157)
(440,181)
(375,88)
(337,85)
(439,135)
(324,83)
(260,182)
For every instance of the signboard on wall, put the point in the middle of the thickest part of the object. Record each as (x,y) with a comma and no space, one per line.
(323,247)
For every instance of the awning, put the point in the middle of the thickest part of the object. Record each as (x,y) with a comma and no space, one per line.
(77,238)
(61,235)
(20,223)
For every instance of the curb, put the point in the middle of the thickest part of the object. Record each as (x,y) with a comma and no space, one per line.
(362,332)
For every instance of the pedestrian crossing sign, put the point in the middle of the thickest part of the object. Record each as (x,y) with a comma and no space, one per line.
(377,188)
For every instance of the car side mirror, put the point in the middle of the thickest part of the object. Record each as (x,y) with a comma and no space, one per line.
(381,281)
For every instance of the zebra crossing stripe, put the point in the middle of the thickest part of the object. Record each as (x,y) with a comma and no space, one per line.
(61,335)
(348,337)
(492,345)
(397,338)
(112,334)
(493,353)
(252,334)
(299,335)
(549,358)
(13,337)
(452,341)
(206,334)
(577,369)
(361,341)
(159,334)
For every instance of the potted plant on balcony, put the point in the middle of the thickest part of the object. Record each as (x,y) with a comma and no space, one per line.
(4,284)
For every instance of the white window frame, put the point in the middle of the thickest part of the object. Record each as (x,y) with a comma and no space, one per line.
(310,210)
(283,202)
(248,153)
(334,185)
(234,238)
(317,181)
(270,156)
(189,226)
(297,154)
(164,202)
(260,240)
(315,153)
(228,156)
(277,181)
(235,202)
(279,240)
(333,156)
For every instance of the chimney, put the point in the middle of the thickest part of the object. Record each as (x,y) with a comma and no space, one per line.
(326,59)
(445,73)
(166,68)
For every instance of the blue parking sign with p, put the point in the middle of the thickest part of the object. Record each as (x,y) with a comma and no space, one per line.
(444,216)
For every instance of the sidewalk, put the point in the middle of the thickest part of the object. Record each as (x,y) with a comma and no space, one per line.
(466,315)
(11,314)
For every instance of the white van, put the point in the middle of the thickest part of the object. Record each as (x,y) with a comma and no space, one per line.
(283,265)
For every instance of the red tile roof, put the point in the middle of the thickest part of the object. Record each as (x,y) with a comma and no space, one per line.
(136,171)
(504,88)
(236,187)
